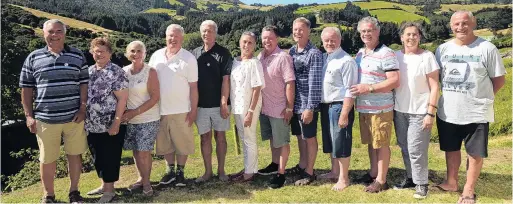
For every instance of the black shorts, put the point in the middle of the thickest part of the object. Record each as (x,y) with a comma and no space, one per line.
(475,136)
(299,128)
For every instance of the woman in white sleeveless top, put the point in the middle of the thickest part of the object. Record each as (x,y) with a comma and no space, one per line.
(142,115)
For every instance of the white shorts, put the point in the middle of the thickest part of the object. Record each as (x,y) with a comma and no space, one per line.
(209,118)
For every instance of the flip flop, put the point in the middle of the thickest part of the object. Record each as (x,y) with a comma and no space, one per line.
(439,188)
(467,199)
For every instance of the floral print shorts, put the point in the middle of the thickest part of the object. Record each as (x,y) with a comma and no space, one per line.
(141,137)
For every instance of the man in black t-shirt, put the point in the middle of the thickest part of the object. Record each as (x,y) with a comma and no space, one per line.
(214,67)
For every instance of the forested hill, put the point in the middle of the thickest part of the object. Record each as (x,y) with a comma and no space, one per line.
(127,20)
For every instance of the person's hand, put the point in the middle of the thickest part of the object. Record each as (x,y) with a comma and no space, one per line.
(31,124)
(248,119)
(79,116)
(427,123)
(360,89)
(287,115)
(307,116)
(343,121)
(225,111)
(128,115)
(191,117)
(114,128)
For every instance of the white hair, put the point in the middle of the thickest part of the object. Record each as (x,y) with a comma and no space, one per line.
(133,44)
(249,33)
(175,27)
(368,19)
(208,23)
(331,29)
(468,13)
(55,21)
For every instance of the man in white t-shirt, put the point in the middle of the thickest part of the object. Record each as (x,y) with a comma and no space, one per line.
(472,73)
(177,70)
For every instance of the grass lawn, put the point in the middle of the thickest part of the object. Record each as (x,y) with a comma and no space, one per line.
(470,7)
(169,12)
(396,16)
(363,5)
(68,21)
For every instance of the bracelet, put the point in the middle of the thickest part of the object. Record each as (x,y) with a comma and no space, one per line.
(288,109)
(117,118)
(431,115)
(251,111)
(83,103)
(436,107)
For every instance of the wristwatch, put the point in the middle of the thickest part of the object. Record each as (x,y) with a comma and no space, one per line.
(288,109)
(371,89)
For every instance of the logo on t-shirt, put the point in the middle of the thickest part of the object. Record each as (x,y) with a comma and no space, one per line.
(456,72)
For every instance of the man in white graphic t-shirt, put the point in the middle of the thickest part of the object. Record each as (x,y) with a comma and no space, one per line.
(472,73)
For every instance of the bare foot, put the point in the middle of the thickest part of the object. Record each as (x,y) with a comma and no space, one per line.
(223,177)
(339,186)
(329,176)
(203,178)
(446,187)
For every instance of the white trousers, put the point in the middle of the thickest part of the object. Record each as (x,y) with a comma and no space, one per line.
(248,139)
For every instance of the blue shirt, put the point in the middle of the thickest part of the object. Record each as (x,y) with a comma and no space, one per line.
(56,79)
(308,70)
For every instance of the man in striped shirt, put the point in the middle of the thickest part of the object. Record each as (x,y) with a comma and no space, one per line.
(308,65)
(58,74)
(379,75)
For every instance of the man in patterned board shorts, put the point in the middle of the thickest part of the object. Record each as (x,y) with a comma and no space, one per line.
(58,73)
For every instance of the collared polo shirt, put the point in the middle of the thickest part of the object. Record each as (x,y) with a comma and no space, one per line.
(372,67)
(278,70)
(308,70)
(213,65)
(57,80)
(340,73)
(174,75)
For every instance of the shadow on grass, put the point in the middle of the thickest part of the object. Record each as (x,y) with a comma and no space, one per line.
(215,189)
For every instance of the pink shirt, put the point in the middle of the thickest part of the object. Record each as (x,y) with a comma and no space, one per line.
(278,70)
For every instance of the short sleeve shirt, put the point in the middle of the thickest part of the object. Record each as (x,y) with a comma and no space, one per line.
(174,75)
(340,73)
(57,80)
(213,65)
(245,76)
(467,89)
(101,101)
(278,70)
(373,67)
(412,95)
(308,70)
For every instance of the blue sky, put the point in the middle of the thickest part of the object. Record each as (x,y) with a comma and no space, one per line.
(291,1)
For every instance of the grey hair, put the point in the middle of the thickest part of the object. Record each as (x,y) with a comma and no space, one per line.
(334,29)
(271,28)
(469,14)
(136,43)
(55,21)
(407,24)
(303,20)
(175,27)
(368,19)
(208,23)
(250,34)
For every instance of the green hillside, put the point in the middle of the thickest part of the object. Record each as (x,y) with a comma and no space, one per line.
(396,16)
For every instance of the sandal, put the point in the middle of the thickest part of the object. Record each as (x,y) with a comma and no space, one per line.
(107,197)
(96,191)
(467,199)
(233,176)
(135,186)
(148,192)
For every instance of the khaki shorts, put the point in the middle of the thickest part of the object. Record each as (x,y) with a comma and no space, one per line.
(49,140)
(175,136)
(376,129)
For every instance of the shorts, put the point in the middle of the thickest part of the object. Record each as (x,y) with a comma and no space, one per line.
(299,128)
(335,140)
(49,140)
(274,128)
(209,118)
(475,136)
(142,136)
(175,135)
(376,128)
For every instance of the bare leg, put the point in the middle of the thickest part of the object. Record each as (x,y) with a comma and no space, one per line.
(312,148)
(276,152)
(303,155)
(206,153)
(373,158)
(383,156)
(284,157)
(145,160)
(221,149)
(47,172)
(343,178)
(138,163)
(453,162)
(475,163)
(334,173)
(74,169)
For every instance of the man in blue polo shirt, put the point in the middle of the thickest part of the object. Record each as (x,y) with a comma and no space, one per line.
(58,74)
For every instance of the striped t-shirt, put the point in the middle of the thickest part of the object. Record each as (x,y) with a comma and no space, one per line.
(56,80)
(372,67)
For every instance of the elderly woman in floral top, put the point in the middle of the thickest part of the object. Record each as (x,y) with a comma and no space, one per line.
(106,101)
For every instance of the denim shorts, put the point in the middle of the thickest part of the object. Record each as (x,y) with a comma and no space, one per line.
(335,140)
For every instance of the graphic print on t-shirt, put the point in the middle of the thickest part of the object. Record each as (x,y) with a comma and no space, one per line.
(456,72)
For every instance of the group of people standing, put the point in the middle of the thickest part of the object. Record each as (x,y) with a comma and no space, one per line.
(162,99)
